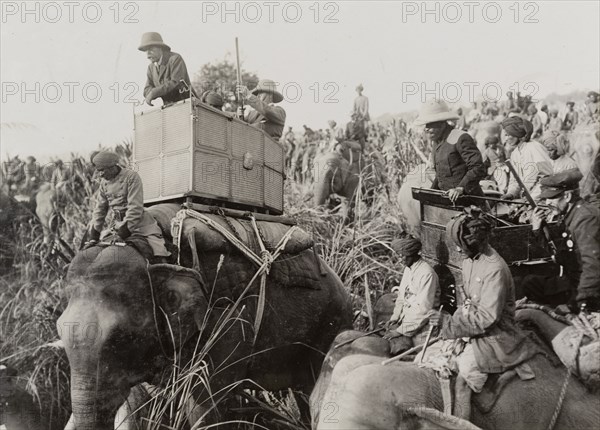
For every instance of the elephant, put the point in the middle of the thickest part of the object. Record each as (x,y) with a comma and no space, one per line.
(421,177)
(340,173)
(584,142)
(127,319)
(361,393)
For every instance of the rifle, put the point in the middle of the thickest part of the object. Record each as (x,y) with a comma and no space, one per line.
(532,203)
(240,99)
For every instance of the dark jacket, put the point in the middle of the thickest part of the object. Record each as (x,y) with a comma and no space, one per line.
(582,225)
(458,163)
(268,117)
(164,81)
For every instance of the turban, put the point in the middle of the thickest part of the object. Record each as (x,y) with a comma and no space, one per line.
(531,109)
(331,123)
(406,246)
(469,228)
(556,140)
(518,127)
(105,159)
(214,99)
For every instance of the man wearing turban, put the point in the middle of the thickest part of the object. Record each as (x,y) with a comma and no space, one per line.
(418,294)
(530,158)
(481,337)
(558,149)
(121,192)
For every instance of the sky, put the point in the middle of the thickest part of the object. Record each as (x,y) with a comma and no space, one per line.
(70,71)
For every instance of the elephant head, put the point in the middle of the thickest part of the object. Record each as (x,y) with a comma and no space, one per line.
(333,175)
(126,320)
(115,326)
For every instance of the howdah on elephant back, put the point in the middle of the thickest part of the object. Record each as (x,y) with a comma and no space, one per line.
(126,320)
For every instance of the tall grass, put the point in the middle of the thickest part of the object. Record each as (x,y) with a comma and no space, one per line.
(31,293)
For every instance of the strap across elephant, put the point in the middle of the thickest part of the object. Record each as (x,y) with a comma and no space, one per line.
(128,322)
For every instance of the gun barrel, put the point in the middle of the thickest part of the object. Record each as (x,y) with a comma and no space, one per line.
(521,184)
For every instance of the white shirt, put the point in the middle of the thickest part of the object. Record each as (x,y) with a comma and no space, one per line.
(419,293)
(531,161)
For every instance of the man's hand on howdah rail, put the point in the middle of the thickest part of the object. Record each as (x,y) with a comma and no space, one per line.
(455,193)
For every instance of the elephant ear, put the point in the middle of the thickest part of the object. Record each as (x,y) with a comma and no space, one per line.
(180,294)
(428,418)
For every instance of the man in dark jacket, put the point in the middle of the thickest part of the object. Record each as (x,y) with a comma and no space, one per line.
(578,248)
(457,161)
(264,114)
(165,71)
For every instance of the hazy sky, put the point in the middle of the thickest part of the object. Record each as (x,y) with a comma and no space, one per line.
(70,69)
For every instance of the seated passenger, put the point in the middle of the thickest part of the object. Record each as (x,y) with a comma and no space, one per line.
(558,150)
(419,293)
(578,246)
(493,159)
(121,191)
(457,161)
(529,158)
(481,337)
(213,99)
(265,115)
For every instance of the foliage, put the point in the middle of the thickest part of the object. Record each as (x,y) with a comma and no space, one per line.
(222,77)
(32,295)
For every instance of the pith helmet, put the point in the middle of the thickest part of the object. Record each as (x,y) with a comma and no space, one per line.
(434,110)
(152,39)
(268,86)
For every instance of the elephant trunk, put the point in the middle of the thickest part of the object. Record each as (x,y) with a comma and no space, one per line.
(322,188)
(93,407)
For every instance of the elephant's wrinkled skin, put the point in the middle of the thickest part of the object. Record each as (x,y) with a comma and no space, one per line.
(115,328)
(339,173)
(363,394)
(420,177)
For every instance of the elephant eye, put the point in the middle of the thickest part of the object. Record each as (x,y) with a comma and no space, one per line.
(172,299)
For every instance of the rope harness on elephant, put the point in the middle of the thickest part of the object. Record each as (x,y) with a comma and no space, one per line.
(582,328)
(563,390)
(263,260)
